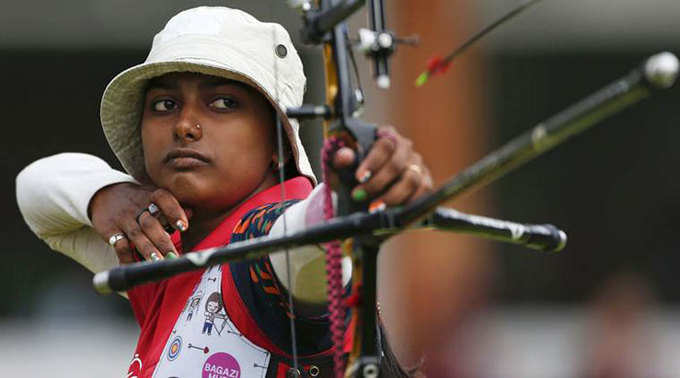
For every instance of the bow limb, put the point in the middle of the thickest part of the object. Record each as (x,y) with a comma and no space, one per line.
(348,131)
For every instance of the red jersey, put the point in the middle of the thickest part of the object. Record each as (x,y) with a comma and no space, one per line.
(197,323)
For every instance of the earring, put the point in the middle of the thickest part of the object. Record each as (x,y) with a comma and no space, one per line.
(277,166)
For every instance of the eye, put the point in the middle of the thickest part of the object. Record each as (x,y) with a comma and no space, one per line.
(224,103)
(165,105)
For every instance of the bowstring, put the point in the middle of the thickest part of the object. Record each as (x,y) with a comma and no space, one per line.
(282,176)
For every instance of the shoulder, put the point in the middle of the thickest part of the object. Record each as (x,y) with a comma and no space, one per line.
(258,221)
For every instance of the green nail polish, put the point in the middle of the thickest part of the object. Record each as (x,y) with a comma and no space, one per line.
(359,195)
(170,255)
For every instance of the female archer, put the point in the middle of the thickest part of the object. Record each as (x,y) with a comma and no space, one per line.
(194,127)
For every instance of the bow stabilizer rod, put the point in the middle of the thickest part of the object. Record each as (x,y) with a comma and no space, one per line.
(380,224)
(541,237)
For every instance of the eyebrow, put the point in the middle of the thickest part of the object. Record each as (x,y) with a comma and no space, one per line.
(212,82)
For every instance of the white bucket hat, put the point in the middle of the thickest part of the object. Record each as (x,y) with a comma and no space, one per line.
(214,41)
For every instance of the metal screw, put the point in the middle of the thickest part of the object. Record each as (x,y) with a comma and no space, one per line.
(385,40)
(371,371)
(281,51)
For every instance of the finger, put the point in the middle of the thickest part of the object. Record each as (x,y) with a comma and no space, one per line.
(171,209)
(380,154)
(136,235)
(123,251)
(121,246)
(405,188)
(167,226)
(153,229)
(425,187)
(391,170)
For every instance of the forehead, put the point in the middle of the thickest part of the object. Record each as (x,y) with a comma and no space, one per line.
(174,80)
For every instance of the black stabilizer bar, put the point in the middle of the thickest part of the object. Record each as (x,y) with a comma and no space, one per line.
(542,237)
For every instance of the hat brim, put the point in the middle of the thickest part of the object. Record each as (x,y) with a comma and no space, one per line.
(122,106)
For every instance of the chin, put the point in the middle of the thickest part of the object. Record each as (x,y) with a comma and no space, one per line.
(198,195)
(188,190)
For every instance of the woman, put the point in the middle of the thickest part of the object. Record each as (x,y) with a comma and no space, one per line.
(194,126)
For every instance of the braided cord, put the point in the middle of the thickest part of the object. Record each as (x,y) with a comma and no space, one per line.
(336,306)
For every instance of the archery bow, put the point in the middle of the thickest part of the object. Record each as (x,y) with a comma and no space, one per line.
(324,24)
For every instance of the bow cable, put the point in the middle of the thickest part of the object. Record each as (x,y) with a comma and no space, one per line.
(282,177)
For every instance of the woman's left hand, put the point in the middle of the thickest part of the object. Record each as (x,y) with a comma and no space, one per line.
(392,171)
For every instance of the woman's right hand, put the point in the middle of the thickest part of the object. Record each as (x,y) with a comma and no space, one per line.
(123,209)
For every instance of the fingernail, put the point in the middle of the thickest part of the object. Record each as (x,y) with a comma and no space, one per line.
(365,177)
(376,206)
(181,225)
(170,255)
(155,257)
(359,195)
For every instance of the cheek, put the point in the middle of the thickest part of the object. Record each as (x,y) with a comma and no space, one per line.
(152,143)
(147,147)
(252,146)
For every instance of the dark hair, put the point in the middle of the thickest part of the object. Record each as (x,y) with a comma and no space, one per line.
(215,297)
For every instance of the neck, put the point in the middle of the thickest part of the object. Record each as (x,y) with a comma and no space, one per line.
(204,221)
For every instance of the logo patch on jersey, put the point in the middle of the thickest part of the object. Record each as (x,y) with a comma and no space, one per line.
(221,365)
(175,348)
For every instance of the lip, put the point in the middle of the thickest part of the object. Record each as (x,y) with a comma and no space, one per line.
(183,158)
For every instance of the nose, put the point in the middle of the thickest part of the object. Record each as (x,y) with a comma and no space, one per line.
(188,128)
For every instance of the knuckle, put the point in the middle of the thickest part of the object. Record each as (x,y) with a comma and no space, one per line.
(158,195)
(122,249)
(391,144)
(414,180)
(383,147)
(390,199)
(408,144)
(146,221)
(134,232)
(394,197)
(377,184)
(393,170)
(145,248)
(399,165)
(429,185)
(155,195)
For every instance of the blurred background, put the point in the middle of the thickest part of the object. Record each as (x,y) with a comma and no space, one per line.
(606,306)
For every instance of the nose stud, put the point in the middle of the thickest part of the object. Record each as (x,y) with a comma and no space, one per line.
(198,126)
